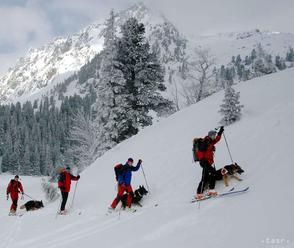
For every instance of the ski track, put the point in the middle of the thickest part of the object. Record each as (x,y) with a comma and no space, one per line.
(99,226)
(12,233)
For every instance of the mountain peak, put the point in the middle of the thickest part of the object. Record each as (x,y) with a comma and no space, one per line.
(138,10)
(140,6)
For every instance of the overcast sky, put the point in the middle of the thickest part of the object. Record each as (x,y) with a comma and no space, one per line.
(32,23)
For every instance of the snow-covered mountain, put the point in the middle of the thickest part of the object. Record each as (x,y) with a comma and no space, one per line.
(261,142)
(42,69)
(53,63)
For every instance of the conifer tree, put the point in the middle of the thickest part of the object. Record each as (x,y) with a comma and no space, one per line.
(231,108)
(290,55)
(280,63)
(111,98)
(143,77)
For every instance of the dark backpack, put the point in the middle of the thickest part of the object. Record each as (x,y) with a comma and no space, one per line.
(199,144)
(118,170)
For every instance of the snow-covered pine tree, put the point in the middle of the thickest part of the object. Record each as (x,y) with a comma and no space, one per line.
(280,63)
(111,104)
(143,77)
(231,108)
(263,63)
(290,55)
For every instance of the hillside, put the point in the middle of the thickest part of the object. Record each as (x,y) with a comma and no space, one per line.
(261,143)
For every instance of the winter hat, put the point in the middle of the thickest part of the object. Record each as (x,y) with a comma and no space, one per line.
(16,176)
(67,168)
(130,160)
(211,133)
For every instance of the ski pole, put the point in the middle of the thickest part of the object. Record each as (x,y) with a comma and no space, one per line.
(145,178)
(74,195)
(202,185)
(228,148)
(59,206)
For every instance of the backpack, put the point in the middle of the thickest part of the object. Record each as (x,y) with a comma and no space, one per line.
(118,170)
(199,144)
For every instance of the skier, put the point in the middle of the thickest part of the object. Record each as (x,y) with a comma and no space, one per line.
(14,188)
(124,183)
(64,182)
(206,161)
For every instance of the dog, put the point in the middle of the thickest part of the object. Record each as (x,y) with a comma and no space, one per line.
(227,172)
(32,205)
(137,196)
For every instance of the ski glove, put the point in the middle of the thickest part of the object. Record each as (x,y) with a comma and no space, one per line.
(22,196)
(140,161)
(221,130)
(78,177)
(62,188)
(7,196)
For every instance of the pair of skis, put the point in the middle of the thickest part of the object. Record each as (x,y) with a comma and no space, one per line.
(232,191)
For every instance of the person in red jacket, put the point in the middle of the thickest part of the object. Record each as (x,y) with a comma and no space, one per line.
(206,160)
(14,188)
(64,182)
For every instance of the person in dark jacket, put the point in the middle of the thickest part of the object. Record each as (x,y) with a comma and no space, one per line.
(64,182)
(14,188)
(124,182)
(206,160)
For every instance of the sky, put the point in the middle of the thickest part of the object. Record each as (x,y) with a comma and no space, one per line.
(26,24)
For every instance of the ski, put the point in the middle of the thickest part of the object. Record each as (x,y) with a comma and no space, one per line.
(230,192)
(16,215)
(110,212)
(207,197)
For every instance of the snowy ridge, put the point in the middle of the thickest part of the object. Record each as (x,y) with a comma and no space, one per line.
(48,64)
(261,142)
(226,45)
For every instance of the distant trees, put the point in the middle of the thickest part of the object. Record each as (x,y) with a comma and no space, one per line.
(258,63)
(204,78)
(34,141)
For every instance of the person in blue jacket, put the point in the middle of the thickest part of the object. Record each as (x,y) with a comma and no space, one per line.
(124,182)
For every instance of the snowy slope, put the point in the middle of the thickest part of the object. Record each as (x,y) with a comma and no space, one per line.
(262,144)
